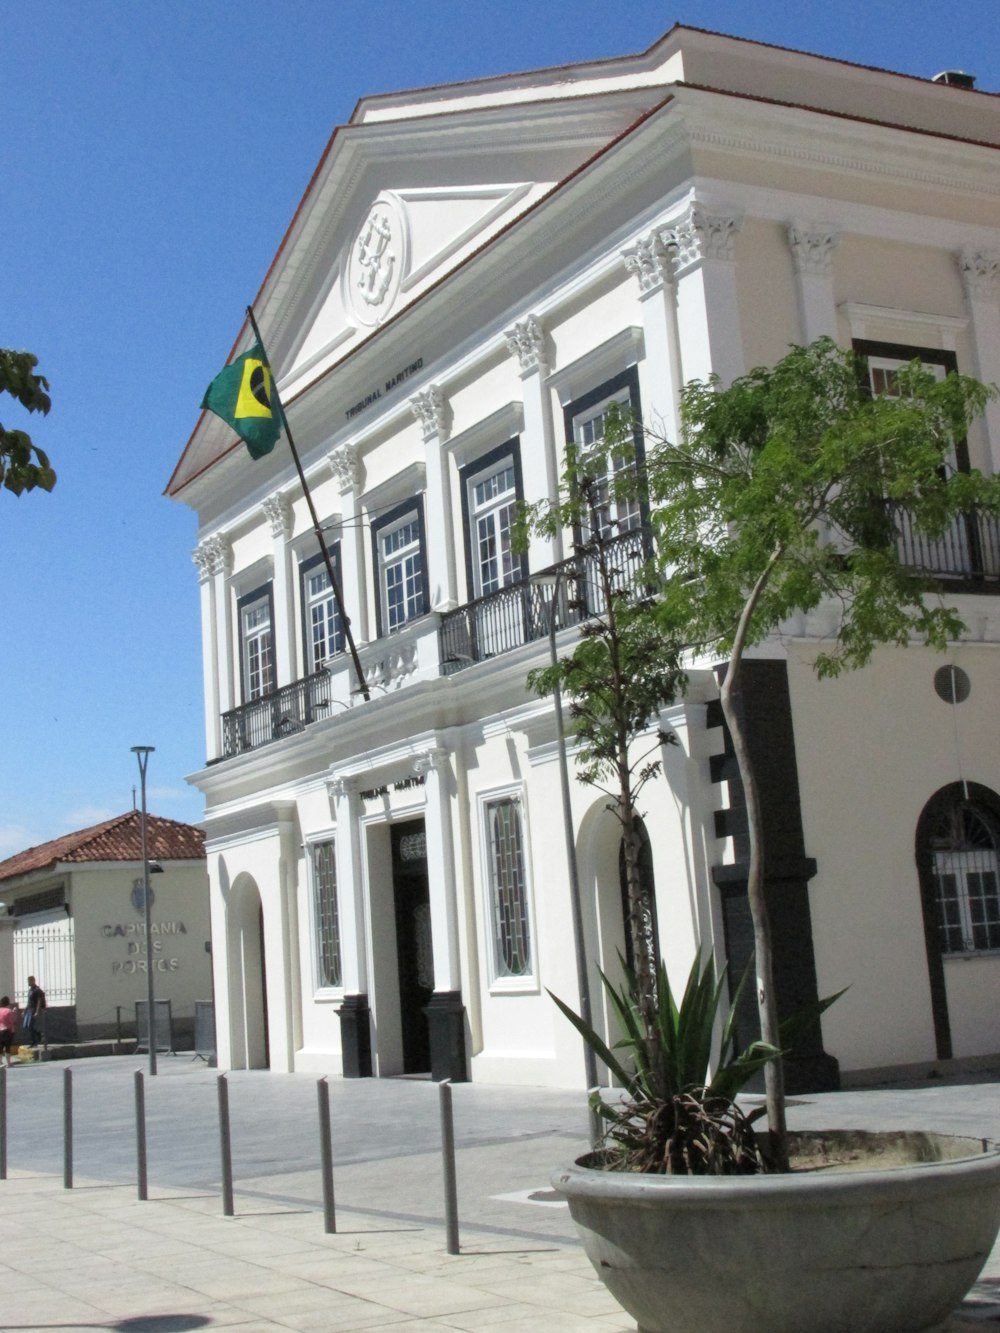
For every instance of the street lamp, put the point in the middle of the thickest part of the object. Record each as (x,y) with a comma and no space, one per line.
(142,753)
(554,578)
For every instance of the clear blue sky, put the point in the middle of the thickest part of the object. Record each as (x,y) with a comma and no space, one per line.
(151,156)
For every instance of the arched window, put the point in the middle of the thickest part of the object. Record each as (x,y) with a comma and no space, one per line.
(963,839)
(958,858)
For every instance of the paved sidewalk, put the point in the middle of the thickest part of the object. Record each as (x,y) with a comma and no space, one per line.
(94,1257)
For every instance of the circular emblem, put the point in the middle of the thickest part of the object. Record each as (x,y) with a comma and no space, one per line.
(139,896)
(376,262)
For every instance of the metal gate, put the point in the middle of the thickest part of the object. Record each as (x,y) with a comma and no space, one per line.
(44,948)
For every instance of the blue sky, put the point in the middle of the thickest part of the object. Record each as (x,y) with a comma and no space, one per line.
(151,156)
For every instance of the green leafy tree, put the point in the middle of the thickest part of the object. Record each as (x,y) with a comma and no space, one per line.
(785,492)
(622,671)
(23,466)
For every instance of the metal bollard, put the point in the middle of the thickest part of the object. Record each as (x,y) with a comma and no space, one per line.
(225,1148)
(67,1129)
(326,1157)
(140,1135)
(450,1180)
(3,1123)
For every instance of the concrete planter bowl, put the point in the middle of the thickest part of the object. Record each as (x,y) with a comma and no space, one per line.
(870,1249)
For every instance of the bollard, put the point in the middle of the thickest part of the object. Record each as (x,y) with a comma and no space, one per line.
(3,1123)
(326,1157)
(225,1148)
(140,1135)
(67,1129)
(448,1153)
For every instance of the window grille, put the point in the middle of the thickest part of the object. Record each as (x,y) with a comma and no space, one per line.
(327,923)
(508,890)
(964,843)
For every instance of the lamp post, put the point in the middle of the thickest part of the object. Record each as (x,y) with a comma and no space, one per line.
(142,753)
(554,577)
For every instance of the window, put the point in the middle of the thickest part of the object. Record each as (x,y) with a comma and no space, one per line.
(586,424)
(256,644)
(322,626)
(964,842)
(399,559)
(325,907)
(508,889)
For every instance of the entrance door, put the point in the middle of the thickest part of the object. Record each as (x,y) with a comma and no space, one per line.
(414,952)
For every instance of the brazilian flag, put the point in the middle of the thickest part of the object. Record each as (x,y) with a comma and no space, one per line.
(244,396)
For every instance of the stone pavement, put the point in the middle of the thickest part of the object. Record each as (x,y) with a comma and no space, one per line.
(95,1257)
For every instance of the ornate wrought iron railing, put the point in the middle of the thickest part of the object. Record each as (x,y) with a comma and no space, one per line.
(968,551)
(519,613)
(276,715)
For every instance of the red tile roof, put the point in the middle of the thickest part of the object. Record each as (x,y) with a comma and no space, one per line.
(118,839)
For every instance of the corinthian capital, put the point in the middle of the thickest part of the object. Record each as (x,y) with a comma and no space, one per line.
(526,341)
(812,248)
(213,556)
(650,260)
(278,511)
(701,234)
(979,271)
(345,464)
(429,409)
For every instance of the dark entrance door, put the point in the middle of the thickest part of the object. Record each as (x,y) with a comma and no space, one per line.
(414,952)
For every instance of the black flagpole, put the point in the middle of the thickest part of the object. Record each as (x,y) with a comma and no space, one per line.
(334,584)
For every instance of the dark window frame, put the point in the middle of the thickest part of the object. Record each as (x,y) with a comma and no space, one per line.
(627,378)
(307,567)
(264,592)
(391,519)
(509,449)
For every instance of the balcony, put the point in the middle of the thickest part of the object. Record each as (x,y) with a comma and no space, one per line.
(519,613)
(273,716)
(965,558)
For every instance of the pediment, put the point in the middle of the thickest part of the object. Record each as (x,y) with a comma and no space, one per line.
(407,239)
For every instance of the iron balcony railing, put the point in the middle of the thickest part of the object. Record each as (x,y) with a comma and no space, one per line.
(519,613)
(968,551)
(273,716)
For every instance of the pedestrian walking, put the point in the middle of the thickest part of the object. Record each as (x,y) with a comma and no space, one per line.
(33,1007)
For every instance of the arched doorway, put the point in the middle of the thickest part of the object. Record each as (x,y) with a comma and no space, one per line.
(958,860)
(247,977)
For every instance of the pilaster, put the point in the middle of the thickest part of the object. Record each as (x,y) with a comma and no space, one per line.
(979,270)
(812,246)
(703,246)
(539,467)
(218,563)
(345,464)
(651,263)
(354,1012)
(278,512)
(209,650)
(430,410)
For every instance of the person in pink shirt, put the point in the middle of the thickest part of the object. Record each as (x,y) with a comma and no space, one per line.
(10,1021)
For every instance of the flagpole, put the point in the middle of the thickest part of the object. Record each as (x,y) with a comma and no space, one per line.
(334,584)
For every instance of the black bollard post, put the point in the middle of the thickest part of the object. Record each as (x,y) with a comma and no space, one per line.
(3,1123)
(140,1135)
(225,1148)
(450,1181)
(326,1157)
(67,1129)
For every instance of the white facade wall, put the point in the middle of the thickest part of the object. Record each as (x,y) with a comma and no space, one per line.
(706,242)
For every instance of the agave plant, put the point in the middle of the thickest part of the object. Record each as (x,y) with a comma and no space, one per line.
(677,1114)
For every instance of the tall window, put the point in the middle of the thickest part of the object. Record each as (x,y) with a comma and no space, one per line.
(327,924)
(963,841)
(324,632)
(492,505)
(614,515)
(508,889)
(257,644)
(399,550)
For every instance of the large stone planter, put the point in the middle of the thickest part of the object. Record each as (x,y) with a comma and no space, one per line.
(871,1250)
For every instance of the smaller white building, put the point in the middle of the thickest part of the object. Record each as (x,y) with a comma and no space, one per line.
(74,918)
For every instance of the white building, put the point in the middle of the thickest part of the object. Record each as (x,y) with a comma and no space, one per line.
(474,274)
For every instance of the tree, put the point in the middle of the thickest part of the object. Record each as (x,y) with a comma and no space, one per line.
(622,671)
(785,491)
(23,466)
